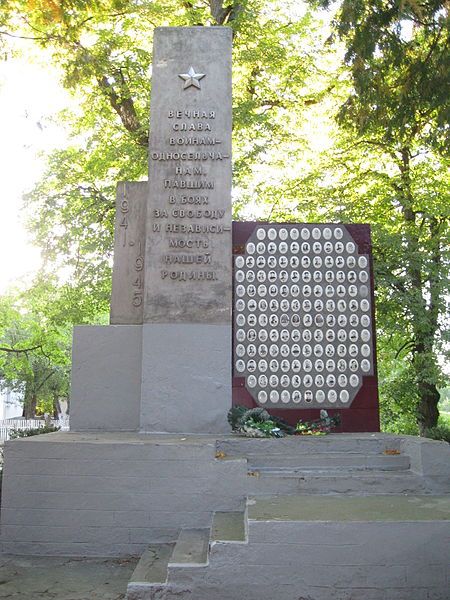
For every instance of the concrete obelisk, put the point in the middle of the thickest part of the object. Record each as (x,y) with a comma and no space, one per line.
(186,344)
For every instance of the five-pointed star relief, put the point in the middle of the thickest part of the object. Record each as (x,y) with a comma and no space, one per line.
(191,78)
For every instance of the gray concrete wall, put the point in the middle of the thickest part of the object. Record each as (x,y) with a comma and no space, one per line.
(106,378)
(105,495)
(429,459)
(296,560)
(186,378)
(155,377)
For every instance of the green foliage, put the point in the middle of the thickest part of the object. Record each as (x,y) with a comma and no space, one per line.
(35,343)
(398,56)
(444,404)
(398,393)
(21,433)
(391,168)
(45,405)
(257,422)
(341,125)
(441,431)
(320,426)
(398,402)
(444,419)
(260,428)
(253,422)
(234,416)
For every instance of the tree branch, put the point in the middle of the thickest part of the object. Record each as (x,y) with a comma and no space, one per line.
(23,37)
(409,344)
(52,372)
(21,350)
(223,15)
(124,107)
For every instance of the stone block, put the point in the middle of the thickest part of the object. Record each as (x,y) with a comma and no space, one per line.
(106,378)
(428,575)
(63,534)
(428,457)
(415,593)
(101,446)
(186,378)
(51,517)
(71,549)
(117,494)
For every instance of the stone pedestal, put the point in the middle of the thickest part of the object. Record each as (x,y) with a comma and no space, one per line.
(123,378)
(106,378)
(188,251)
(198,398)
(127,297)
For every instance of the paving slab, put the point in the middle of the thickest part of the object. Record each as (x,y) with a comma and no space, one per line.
(191,548)
(351,508)
(64,578)
(152,566)
(228,526)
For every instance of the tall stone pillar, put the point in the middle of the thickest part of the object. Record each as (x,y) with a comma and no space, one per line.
(186,344)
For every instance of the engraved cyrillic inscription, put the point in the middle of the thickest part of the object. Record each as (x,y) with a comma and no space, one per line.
(190,183)
(127,298)
(194,141)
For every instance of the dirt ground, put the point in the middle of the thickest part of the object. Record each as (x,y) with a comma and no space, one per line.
(49,578)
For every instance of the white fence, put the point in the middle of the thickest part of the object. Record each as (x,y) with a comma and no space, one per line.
(7,424)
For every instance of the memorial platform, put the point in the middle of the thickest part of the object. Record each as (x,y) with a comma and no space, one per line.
(104,494)
(355,515)
(113,493)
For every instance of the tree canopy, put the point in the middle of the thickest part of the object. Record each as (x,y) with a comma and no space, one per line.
(340,113)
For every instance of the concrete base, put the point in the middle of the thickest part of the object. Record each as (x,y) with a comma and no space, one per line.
(153,378)
(63,578)
(114,494)
(186,378)
(74,494)
(309,548)
(106,378)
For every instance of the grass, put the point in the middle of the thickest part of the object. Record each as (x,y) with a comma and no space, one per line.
(442,429)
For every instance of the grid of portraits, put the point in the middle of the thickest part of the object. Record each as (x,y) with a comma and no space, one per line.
(302,316)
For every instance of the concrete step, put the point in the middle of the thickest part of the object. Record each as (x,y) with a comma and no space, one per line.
(329,548)
(344,460)
(395,508)
(359,443)
(150,572)
(229,527)
(333,481)
(191,548)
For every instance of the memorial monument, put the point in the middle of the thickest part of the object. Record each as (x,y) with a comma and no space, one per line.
(301,294)
(206,312)
(171,298)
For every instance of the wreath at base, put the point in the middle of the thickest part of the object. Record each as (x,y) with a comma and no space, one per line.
(257,422)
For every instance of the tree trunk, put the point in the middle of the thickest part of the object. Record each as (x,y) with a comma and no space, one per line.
(424,319)
(29,406)
(56,407)
(428,412)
